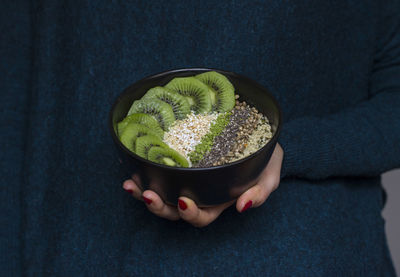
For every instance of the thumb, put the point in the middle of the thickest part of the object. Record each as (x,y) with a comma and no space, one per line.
(269,181)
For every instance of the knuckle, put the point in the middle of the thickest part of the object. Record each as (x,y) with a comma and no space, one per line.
(265,193)
(274,183)
(197,221)
(156,209)
(258,192)
(254,191)
(192,219)
(275,186)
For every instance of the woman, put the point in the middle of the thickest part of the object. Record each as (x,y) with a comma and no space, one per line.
(334,68)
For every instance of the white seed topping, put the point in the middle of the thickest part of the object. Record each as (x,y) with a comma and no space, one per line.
(184,135)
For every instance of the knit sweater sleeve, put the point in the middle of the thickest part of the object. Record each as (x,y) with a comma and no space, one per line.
(363,140)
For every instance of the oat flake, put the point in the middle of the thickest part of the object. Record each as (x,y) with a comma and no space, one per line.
(184,135)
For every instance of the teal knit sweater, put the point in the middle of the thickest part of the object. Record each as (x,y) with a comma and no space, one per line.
(334,67)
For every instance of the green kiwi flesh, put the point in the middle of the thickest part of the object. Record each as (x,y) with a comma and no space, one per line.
(142,130)
(160,110)
(166,156)
(141,118)
(179,103)
(196,92)
(145,143)
(133,131)
(222,90)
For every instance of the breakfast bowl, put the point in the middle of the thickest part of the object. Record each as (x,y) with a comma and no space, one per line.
(206,186)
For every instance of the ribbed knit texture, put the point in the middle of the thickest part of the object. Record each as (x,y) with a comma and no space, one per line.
(334,67)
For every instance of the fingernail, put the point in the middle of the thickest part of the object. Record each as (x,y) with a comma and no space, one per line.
(247,206)
(147,200)
(182,205)
(129,191)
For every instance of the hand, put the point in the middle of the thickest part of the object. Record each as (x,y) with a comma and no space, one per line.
(200,217)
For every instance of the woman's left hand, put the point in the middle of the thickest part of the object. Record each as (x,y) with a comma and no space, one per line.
(200,217)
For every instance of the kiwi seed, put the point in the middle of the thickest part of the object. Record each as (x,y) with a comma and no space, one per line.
(195,91)
(145,143)
(131,132)
(179,103)
(160,110)
(141,118)
(222,89)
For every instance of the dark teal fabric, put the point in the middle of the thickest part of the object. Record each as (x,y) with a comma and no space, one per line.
(334,67)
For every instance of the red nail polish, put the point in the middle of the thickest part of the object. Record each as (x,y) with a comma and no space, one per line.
(182,205)
(129,191)
(247,206)
(147,200)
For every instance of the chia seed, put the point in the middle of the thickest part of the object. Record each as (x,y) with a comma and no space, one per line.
(247,131)
(224,142)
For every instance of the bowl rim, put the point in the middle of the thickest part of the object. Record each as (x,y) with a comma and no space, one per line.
(128,89)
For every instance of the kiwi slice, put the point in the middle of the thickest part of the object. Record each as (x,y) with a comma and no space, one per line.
(141,118)
(144,143)
(166,156)
(196,92)
(179,103)
(133,131)
(223,92)
(160,110)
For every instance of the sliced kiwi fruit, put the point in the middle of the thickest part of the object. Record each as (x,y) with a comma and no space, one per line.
(133,131)
(196,92)
(179,103)
(144,143)
(160,110)
(223,92)
(166,156)
(141,118)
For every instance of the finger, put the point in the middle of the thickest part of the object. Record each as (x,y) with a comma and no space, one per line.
(155,204)
(189,212)
(131,187)
(137,180)
(269,181)
(254,197)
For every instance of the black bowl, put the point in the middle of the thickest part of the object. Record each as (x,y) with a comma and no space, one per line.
(206,186)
